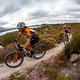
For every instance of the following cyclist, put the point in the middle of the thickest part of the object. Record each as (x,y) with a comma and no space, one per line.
(31,35)
(66,31)
(69,30)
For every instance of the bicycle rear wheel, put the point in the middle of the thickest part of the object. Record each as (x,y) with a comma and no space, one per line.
(13,59)
(39,51)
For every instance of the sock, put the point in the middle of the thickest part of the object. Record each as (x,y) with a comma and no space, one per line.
(32,52)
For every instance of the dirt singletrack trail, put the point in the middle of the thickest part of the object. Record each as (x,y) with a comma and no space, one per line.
(6,72)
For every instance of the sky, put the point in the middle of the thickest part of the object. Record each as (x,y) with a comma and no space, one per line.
(34,12)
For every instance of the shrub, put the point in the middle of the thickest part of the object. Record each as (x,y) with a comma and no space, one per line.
(73,46)
(8,38)
(10,47)
(47,34)
(62,77)
(2,54)
(15,77)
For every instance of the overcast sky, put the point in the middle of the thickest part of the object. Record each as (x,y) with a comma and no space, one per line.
(34,12)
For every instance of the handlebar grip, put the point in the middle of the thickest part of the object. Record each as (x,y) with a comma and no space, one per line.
(15,40)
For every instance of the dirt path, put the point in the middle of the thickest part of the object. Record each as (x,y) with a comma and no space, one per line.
(5,71)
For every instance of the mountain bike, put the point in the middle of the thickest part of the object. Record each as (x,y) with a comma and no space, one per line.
(65,38)
(15,58)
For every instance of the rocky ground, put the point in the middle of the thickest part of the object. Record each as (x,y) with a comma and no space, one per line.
(28,64)
(51,69)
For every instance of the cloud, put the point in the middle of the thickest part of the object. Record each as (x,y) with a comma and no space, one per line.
(77,1)
(3,23)
(39,14)
(13,6)
(38,11)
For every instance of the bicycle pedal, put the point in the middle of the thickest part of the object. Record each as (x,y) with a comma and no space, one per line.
(29,55)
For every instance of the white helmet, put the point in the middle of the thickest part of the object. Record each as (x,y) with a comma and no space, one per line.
(21,25)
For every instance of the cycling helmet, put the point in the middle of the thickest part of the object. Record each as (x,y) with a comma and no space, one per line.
(21,25)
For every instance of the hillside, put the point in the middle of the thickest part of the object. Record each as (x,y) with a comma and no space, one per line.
(51,66)
(6,72)
(29,63)
(2,29)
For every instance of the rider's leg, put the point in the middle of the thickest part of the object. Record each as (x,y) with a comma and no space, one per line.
(64,37)
(28,47)
(27,44)
(67,36)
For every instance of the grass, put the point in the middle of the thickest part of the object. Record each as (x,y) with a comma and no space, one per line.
(47,34)
(62,77)
(53,70)
(19,77)
(50,36)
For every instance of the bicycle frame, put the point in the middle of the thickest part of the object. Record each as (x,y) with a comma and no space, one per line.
(66,38)
(19,49)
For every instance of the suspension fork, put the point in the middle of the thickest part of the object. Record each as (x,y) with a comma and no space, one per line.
(16,56)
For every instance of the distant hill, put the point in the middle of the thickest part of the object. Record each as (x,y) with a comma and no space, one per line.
(8,29)
(2,29)
(5,29)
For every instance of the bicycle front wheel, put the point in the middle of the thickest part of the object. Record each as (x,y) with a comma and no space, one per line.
(39,51)
(13,59)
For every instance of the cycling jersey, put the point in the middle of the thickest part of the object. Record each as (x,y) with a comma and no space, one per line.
(31,34)
(26,31)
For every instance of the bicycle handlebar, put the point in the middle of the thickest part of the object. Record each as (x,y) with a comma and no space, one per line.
(17,45)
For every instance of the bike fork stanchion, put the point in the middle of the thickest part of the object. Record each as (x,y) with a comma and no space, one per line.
(15,56)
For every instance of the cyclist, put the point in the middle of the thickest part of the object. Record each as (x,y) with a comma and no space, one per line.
(31,35)
(69,30)
(66,31)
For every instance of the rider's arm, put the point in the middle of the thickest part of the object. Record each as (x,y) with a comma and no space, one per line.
(28,33)
(27,30)
(20,34)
